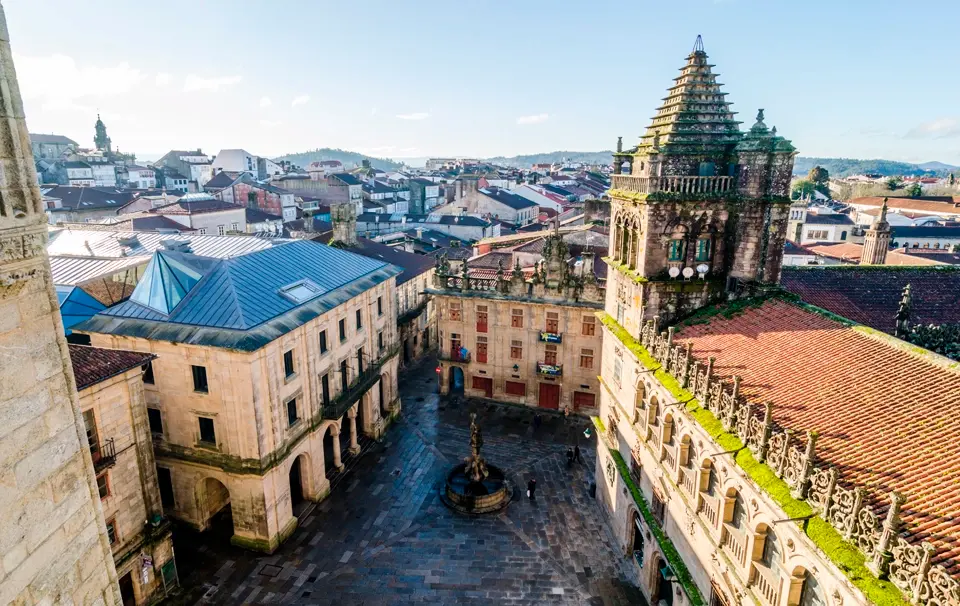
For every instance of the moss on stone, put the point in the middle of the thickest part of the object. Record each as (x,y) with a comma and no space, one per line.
(624,269)
(844,554)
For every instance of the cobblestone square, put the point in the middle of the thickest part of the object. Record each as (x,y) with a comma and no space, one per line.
(384,537)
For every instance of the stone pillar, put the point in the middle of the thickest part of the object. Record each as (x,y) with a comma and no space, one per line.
(336,451)
(51,553)
(352,415)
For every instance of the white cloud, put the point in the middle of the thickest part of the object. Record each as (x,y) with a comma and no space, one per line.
(265,102)
(373,111)
(534,119)
(270,123)
(300,100)
(414,116)
(57,81)
(941,128)
(163,79)
(195,83)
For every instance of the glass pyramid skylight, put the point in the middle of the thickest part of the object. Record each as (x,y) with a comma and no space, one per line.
(166,281)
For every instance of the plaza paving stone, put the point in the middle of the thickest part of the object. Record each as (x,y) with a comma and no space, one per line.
(384,537)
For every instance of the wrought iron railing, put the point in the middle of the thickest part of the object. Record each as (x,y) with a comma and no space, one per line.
(454,355)
(361,384)
(105,455)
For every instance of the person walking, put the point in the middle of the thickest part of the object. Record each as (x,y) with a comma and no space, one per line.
(570,456)
(532,489)
(576,454)
(537,419)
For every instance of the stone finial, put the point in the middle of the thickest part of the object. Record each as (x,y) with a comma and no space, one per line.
(656,140)
(883,210)
(903,313)
(760,115)
(619,144)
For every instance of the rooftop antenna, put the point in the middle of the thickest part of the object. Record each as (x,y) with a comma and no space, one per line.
(698,45)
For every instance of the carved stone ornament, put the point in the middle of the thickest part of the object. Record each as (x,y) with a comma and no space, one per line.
(611,472)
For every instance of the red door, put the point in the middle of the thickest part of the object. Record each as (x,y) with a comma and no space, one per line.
(549,396)
(484,383)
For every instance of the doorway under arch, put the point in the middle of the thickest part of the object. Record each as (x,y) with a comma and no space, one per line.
(329,465)
(456,380)
(216,514)
(382,396)
(298,484)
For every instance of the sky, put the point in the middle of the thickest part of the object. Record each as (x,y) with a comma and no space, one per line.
(840,78)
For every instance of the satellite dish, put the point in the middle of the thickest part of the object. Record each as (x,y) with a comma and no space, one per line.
(674,272)
(687,272)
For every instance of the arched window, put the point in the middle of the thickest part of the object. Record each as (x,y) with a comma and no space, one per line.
(704,249)
(676,250)
(771,550)
(712,480)
(812,593)
(739,518)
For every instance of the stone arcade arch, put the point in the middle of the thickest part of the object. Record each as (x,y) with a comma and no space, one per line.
(331,450)
(301,480)
(214,509)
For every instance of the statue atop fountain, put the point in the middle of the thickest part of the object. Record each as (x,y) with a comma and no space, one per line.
(474,487)
(476,467)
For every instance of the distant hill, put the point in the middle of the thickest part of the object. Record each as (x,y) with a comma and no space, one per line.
(601,157)
(350,159)
(844,167)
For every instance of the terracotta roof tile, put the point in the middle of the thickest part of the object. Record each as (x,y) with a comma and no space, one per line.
(887,417)
(871,295)
(91,365)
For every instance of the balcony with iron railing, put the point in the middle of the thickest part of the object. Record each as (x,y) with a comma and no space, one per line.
(674,185)
(361,384)
(104,455)
(549,370)
(456,354)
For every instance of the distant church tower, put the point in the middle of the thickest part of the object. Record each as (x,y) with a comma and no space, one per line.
(876,241)
(100,138)
(53,541)
(702,214)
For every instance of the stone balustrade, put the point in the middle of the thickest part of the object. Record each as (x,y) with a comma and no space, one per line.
(791,457)
(734,541)
(674,184)
(767,584)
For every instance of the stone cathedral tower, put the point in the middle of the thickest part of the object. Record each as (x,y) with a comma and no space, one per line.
(53,543)
(702,213)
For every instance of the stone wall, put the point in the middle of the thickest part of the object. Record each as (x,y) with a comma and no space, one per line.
(133,500)
(53,546)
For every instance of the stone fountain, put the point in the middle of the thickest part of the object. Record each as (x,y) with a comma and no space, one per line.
(476,486)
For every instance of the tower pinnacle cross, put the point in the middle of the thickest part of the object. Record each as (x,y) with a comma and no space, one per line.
(698,45)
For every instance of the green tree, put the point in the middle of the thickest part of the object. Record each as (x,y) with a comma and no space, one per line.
(915,190)
(953,179)
(818,175)
(894,183)
(803,188)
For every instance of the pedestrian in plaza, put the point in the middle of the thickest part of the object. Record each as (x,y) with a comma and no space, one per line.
(537,420)
(570,456)
(532,489)
(576,454)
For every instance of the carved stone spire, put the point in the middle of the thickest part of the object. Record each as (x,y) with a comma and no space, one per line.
(876,241)
(64,554)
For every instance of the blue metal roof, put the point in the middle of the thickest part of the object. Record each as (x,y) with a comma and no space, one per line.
(76,306)
(241,295)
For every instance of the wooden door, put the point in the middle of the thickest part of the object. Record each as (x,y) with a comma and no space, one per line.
(549,396)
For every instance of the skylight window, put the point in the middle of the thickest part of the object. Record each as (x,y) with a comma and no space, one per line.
(302,291)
